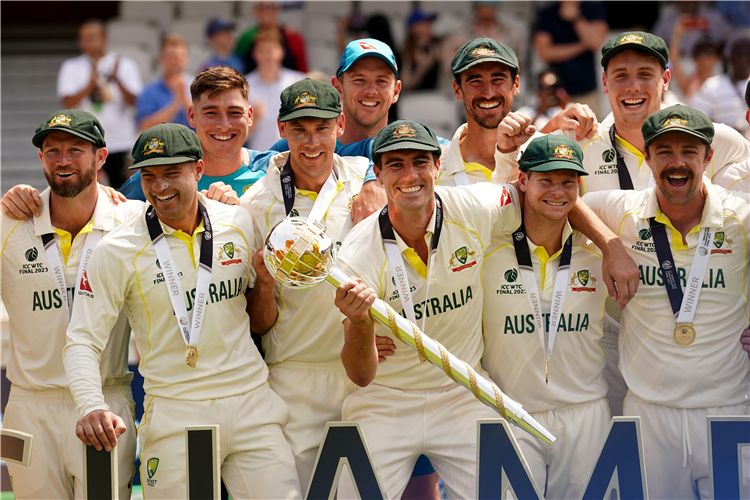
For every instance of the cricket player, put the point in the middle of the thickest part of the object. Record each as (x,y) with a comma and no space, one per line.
(542,316)
(407,408)
(680,336)
(183,288)
(301,329)
(44,263)
(486,78)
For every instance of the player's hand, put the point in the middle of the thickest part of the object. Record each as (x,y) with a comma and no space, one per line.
(370,199)
(221,192)
(386,347)
(263,278)
(354,300)
(100,429)
(513,131)
(621,275)
(745,340)
(113,195)
(21,202)
(578,117)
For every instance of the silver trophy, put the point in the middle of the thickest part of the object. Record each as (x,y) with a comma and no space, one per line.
(299,253)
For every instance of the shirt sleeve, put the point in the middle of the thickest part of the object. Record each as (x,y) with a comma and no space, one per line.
(729,147)
(608,206)
(94,315)
(71,79)
(281,146)
(130,76)
(148,103)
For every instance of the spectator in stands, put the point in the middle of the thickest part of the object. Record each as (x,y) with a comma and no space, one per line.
(267,14)
(705,54)
(490,22)
(106,85)
(566,36)
(552,99)
(737,13)
(168,98)
(220,36)
(422,53)
(721,96)
(266,83)
(707,21)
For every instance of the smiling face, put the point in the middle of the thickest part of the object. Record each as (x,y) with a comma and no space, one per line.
(368,89)
(222,123)
(487,90)
(634,82)
(312,142)
(678,161)
(173,191)
(408,176)
(70,163)
(549,195)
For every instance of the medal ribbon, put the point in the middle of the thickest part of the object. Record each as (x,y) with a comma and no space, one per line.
(55,263)
(461,178)
(322,202)
(172,280)
(622,170)
(683,305)
(526,268)
(396,262)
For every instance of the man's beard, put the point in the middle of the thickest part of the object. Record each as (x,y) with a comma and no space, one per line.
(68,188)
(489,122)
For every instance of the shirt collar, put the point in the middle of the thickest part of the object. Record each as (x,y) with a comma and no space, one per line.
(103,217)
(277,162)
(402,246)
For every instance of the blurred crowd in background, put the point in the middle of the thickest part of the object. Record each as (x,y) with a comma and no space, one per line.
(709,44)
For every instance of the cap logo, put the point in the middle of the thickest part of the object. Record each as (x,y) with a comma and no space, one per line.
(562,151)
(59,120)
(630,39)
(404,131)
(367,46)
(675,121)
(153,146)
(482,51)
(305,99)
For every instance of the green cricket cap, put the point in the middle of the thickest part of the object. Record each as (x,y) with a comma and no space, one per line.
(166,144)
(404,134)
(636,40)
(552,152)
(309,99)
(74,122)
(483,49)
(678,119)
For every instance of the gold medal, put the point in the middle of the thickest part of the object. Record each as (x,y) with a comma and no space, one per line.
(684,334)
(192,356)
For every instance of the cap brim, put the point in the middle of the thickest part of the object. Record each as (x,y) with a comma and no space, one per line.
(677,129)
(406,145)
(484,60)
(552,165)
(310,113)
(633,46)
(344,69)
(38,138)
(162,161)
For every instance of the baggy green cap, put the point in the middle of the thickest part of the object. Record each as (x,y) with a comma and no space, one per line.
(552,152)
(404,134)
(166,144)
(309,99)
(483,49)
(678,119)
(636,40)
(73,121)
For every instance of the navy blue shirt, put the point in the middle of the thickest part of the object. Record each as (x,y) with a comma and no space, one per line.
(578,74)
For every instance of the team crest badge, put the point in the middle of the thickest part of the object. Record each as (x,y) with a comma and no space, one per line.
(465,258)
(675,121)
(229,251)
(562,151)
(631,39)
(482,51)
(151,466)
(608,156)
(31,254)
(153,146)
(511,275)
(582,278)
(305,99)
(644,234)
(719,240)
(404,131)
(60,120)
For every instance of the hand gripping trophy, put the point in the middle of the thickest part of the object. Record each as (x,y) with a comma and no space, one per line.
(298,252)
